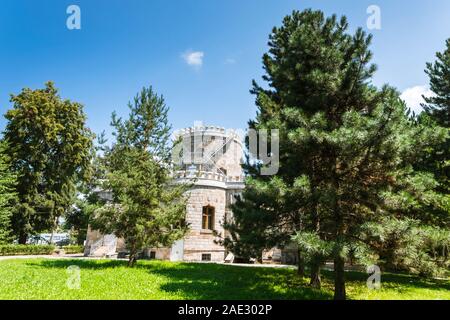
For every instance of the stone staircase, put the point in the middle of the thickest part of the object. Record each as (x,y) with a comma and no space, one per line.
(103,247)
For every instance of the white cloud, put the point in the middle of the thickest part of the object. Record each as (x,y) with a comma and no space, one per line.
(193,58)
(230,61)
(413,97)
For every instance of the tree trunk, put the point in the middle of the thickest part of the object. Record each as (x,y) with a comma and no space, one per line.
(339,261)
(23,238)
(315,280)
(339,278)
(300,265)
(132,259)
(54,227)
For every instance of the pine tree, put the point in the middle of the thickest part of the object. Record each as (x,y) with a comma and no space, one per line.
(345,145)
(437,108)
(407,245)
(7,195)
(267,215)
(148,207)
(438,105)
(303,62)
(50,147)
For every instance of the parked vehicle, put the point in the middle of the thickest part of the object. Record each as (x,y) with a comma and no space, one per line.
(59,239)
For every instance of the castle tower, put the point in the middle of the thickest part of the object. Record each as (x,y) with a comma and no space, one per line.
(213,160)
(210,158)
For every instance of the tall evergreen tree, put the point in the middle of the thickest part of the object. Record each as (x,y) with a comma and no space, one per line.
(7,195)
(268,214)
(148,207)
(345,145)
(50,147)
(437,107)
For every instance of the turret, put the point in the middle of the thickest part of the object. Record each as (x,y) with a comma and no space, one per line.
(209,153)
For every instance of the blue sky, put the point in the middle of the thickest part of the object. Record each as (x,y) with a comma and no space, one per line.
(200,54)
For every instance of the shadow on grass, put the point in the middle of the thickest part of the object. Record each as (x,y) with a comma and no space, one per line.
(225,282)
(82,263)
(397,281)
(210,281)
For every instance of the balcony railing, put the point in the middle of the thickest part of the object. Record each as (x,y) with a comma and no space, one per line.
(207,175)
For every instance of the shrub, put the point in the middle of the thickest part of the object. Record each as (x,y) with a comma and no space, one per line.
(20,249)
(73,249)
(406,245)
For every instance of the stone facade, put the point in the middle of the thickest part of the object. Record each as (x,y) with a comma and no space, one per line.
(213,164)
(201,241)
(285,255)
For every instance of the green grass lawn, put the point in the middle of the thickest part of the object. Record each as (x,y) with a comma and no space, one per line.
(111,279)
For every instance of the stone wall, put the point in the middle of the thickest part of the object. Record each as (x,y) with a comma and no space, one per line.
(199,241)
(160,253)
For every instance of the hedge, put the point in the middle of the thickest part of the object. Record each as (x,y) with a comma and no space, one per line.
(73,249)
(23,249)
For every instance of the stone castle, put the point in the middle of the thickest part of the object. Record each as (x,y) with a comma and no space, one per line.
(213,162)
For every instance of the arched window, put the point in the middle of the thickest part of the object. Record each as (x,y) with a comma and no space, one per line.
(208,218)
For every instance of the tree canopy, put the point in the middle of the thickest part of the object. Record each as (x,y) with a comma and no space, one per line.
(346,146)
(8,195)
(148,207)
(50,150)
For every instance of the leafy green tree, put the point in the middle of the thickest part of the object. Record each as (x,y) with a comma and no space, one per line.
(78,217)
(148,207)
(8,196)
(345,146)
(50,149)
